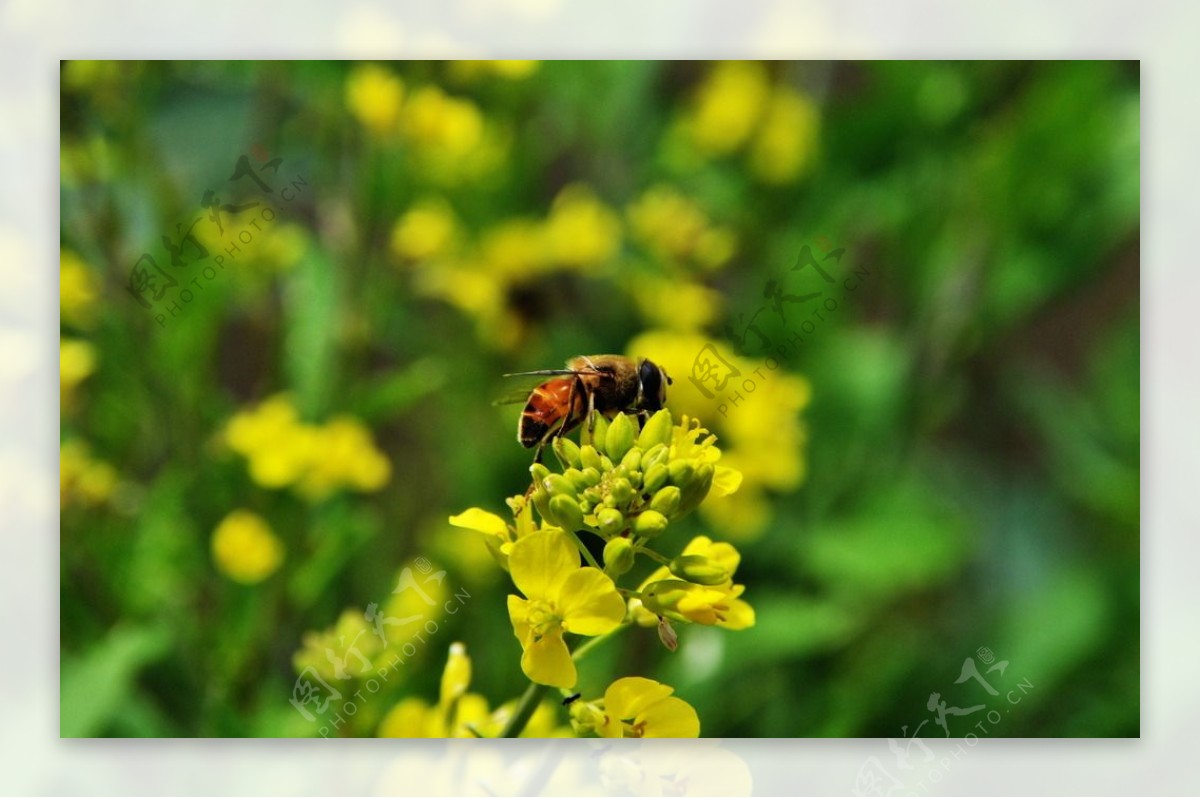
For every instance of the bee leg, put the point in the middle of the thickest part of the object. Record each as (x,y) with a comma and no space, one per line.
(591,414)
(642,416)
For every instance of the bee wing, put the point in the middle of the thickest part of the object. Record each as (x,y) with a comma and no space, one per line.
(519,386)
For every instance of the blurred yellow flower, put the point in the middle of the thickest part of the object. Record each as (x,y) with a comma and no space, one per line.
(510,69)
(727,106)
(441,123)
(674,228)
(637,707)
(762,436)
(513,249)
(318,460)
(786,143)
(77,291)
(245,549)
(76,362)
(375,95)
(83,480)
(675,303)
(343,651)
(420,595)
(281,248)
(581,230)
(560,596)
(427,230)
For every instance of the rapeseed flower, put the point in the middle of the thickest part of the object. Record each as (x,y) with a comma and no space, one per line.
(675,229)
(636,707)
(375,96)
(785,145)
(78,291)
(76,362)
(582,231)
(559,596)
(727,106)
(245,549)
(84,480)
(428,230)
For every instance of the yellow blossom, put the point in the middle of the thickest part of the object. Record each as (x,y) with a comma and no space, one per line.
(581,230)
(374,95)
(560,596)
(511,69)
(427,230)
(443,124)
(83,480)
(674,228)
(77,291)
(675,304)
(711,605)
(513,249)
(245,549)
(499,534)
(76,362)
(727,106)
(344,455)
(785,145)
(342,651)
(637,707)
(419,596)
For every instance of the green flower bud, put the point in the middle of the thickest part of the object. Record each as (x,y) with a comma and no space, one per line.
(635,479)
(632,460)
(667,500)
(589,457)
(697,490)
(566,512)
(541,501)
(576,478)
(698,569)
(567,452)
(682,472)
(600,433)
(606,465)
(591,476)
(654,478)
(558,485)
(619,438)
(650,524)
(621,491)
(610,501)
(610,521)
(657,430)
(618,556)
(593,495)
(658,453)
(664,595)
(539,472)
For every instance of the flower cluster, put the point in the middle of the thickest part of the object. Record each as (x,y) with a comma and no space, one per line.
(318,460)
(84,480)
(245,549)
(627,487)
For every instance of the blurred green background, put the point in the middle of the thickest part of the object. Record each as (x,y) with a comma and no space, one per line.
(949,461)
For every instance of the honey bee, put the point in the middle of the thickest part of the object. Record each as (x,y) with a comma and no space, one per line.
(590,384)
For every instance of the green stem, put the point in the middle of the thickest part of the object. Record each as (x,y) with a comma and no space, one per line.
(654,555)
(587,555)
(524,711)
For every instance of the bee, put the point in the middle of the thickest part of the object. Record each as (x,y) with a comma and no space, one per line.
(590,384)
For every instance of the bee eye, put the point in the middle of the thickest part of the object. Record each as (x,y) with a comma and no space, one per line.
(653,391)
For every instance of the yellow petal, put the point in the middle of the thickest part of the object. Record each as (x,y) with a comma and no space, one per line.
(589,603)
(518,609)
(480,521)
(547,661)
(409,718)
(670,717)
(740,615)
(540,562)
(725,481)
(630,696)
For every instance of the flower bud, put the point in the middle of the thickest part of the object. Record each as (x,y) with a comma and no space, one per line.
(650,524)
(654,478)
(682,472)
(606,464)
(632,460)
(697,490)
(657,430)
(610,521)
(593,495)
(539,472)
(558,485)
(619,437)
(600,433)
(457,675)
(589,457)
(698,569)
(591,476)
(666,500)
(664,595)
(566,513)
(576,478)
(654,455)
(541,501)
(618,556)
(567,452)
(621,491)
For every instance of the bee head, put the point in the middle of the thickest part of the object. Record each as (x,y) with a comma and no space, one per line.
(654,382)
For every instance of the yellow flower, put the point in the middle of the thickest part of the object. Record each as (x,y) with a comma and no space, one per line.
(513,249)
(443,124)
(581,230)
(500,535)
(727,106)
(344,455)
(469,71)
(374,95)
(708,605)
(76,362)
(674,228)
(427,230)
(675,304)
(342,651)
(245,549)
(77,291)
(637,707)
(786,143)
(83,479)
(560,596)
(418,598)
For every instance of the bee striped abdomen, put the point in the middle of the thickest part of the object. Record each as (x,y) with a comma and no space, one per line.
(548,406)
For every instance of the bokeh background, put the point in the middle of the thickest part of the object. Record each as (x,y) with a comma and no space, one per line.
(948,461)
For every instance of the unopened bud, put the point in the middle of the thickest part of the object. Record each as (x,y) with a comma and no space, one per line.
(682,472)
(610,521)
(591,476)
(657,430)
(698,569)
(539,472)
(567,452)
(666,500)
(576,478)
(664,595)
(589,457)
(619,437)
(600,433)
(566,513)
(650,524)
(457,675)
(654,478)
(621,491)
(632,460)
(618,556)
(558,485)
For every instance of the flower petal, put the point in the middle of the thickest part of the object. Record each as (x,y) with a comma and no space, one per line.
(726,480)
(480,521)
(740,615)
(518,610)
(670,717)
(589,603)
(629,697)
(547,661)
(541,561)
